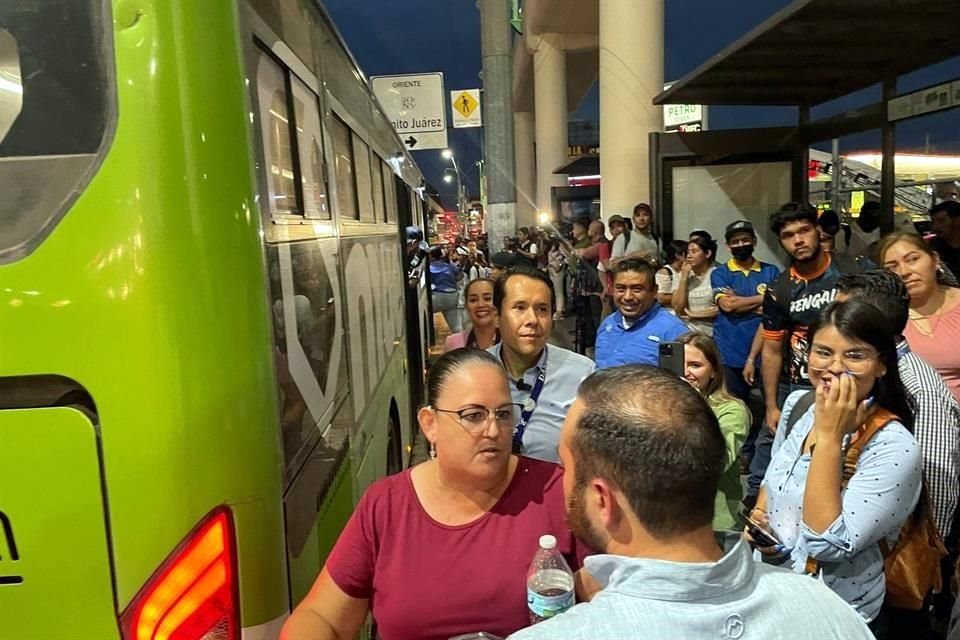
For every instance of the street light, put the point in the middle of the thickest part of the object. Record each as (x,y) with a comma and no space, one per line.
(448,155)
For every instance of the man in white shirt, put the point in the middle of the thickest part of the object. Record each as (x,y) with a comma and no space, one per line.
(639,243)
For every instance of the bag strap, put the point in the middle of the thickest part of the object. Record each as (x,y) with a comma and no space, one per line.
(802,405)
(878,420)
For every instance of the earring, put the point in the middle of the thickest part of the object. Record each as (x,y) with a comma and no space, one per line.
(433,451)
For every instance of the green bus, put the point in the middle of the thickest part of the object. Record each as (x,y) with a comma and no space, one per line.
(208,347)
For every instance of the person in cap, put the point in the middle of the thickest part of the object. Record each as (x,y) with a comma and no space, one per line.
(738,288)
(416,254)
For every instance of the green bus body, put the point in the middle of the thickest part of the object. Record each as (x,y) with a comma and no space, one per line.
(163,291)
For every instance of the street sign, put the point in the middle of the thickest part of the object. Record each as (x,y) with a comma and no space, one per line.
(415,105)
(466,108)
(683,117)
(429,140)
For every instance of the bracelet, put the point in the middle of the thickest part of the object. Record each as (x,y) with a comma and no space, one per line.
(749,361)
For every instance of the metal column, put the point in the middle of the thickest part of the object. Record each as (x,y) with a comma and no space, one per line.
(888,150)
(498,120)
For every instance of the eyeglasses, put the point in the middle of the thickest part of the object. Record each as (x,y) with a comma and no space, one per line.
(855,361)
(475,419)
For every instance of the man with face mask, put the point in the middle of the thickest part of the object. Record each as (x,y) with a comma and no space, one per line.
(738,288)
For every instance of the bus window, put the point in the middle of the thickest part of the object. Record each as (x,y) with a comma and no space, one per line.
(275,125)
(361,159)
(390,193)
(56,109)
(310,144)
(376,177)
(343,166)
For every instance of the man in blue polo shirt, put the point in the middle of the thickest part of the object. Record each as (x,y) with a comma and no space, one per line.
(634,332)
(738,287)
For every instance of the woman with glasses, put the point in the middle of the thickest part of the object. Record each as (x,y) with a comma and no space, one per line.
(933,331)
(829,523)
(443,548)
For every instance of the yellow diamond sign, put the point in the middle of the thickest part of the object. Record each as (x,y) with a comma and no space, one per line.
(466,108)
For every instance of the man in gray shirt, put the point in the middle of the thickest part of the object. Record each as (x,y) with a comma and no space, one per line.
(642,455)
(638,243)
(543,378)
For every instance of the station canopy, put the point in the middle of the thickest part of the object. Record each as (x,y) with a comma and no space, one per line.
(814,51)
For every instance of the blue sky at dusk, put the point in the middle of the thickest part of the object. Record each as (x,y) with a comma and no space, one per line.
(415,36)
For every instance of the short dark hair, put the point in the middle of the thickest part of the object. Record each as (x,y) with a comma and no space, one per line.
(881,288)
(673,249)
(583,222)
(792,212)
(950,207)
(652,435)
(830,222)
(451,362)
(524,230)
(637,265)
(500,288)
(436,252)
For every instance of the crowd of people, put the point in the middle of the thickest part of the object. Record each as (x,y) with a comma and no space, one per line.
(796,475)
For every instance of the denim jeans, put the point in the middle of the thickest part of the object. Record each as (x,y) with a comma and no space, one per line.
(764,444)
(738,388)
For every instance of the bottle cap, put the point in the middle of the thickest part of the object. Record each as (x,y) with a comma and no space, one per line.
(548,542)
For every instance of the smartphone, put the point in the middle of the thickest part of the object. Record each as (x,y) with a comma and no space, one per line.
(761,536)
(670,358)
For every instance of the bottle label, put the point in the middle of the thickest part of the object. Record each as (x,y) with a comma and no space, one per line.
(549,603)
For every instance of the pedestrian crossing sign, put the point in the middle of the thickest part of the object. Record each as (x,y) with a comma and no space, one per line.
(466,108)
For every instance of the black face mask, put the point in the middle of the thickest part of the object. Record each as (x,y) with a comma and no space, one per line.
(743,253)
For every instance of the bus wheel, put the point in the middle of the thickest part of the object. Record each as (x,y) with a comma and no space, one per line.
(394,447)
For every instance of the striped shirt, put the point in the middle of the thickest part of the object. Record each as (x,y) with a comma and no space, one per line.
(936,417)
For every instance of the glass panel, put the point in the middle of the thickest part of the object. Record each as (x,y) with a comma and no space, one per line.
(731,192)
(343,161)
(376,176)
(275,125)
(390,193)
(56,96)
(361,159)
(310,143)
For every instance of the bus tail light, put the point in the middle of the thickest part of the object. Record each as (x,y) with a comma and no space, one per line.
(193,595)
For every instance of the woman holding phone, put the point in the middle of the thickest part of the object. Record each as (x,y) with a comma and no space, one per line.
(703,369)
(829,525)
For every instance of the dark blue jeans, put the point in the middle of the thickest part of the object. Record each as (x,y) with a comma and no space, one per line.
(764,443)
(738,388)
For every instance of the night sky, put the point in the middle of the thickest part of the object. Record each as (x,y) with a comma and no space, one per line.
(416,36)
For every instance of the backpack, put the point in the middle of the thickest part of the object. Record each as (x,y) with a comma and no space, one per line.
(912,567)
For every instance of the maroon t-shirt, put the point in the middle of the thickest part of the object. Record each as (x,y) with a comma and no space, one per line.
(432,581)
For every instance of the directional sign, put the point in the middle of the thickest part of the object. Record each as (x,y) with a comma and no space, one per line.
(415,105)
(430,140)
(466,108)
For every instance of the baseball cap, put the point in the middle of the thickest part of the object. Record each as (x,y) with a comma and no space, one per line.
(739,226)
(616,218)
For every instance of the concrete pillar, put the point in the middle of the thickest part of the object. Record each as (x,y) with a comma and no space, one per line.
(526,169)
(631,74)
(497,53)
(550,104)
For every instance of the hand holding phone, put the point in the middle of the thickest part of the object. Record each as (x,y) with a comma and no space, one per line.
(762,537)
(671,358)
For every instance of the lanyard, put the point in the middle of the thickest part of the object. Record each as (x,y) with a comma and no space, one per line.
(529,405)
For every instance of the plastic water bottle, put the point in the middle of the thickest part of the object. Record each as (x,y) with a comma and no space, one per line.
(549,582)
